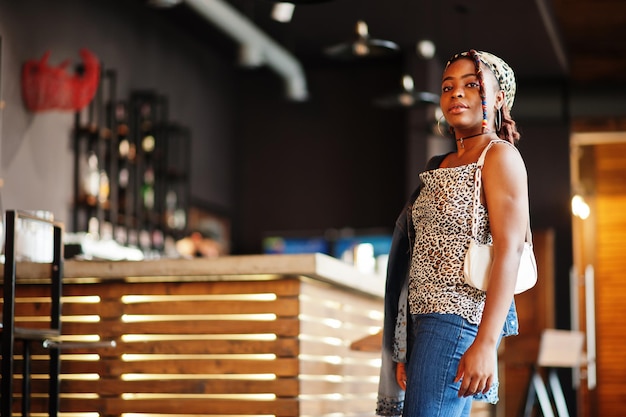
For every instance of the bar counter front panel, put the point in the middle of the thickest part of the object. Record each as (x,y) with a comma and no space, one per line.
(262,335)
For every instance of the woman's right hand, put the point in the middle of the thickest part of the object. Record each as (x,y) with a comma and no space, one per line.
(401,375)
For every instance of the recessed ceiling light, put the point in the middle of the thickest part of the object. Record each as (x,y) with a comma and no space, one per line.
(283,11)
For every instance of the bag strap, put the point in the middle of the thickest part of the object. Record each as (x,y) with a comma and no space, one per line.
(477,187)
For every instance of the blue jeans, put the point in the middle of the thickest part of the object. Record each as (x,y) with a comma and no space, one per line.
(439,342)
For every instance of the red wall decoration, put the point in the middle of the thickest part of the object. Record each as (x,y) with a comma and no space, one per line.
(46,87)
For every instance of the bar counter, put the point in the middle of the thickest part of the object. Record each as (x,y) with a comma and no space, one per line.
(317,266)
(237,335)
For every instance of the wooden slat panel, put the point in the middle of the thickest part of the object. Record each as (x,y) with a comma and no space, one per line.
(320,302)
(116,367)
(281,327)
(191,406)
(279,347)
(285,287)
(192,360)
(282,307)
(280,367)
(282,387)
(277,407)
(184,311)
(332,320)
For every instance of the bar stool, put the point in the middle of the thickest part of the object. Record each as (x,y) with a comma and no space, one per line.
(11,334)
(557,349)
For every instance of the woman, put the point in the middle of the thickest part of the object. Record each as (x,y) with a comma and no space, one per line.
(450,333)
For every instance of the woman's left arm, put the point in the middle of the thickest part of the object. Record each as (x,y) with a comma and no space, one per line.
(505,193)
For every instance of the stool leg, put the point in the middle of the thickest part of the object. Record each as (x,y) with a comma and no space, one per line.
(54,388)
(557,394)
(542,394)
(26,379)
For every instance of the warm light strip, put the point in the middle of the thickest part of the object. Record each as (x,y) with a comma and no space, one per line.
(332,341)
(332,415)
(79,377)
(81,299)
(65,319)
(80,396)
(336,360)
(82,319)
(129,338)
(142,318)
(373,314)
(197,278)
(248,396)
(339,378)
(321,302)
(333,323)
(131,299)
(81,414)
(336,397)
(25,300)
(132,357)
(332,359)
(376,314)
(65,377)
(187,415)
(80,338)
(338,324)
(32,319)
(88,357)
(159,377)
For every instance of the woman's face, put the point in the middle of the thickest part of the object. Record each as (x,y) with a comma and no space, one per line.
(460,95)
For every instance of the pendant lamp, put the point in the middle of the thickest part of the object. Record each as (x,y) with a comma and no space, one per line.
(299,2)
(408,97)
(363,46)
(164,3)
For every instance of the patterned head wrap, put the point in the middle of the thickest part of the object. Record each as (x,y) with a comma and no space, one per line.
(503,72)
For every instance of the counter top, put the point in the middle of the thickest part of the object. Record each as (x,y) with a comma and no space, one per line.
(316,266)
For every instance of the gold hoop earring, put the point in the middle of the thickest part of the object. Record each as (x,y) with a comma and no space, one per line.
(439,126)
(498,119)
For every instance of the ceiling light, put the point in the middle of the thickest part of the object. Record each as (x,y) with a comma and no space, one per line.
(408,97)
(363,46)
(304,1)
(425,49)
(283,11)
(164,3)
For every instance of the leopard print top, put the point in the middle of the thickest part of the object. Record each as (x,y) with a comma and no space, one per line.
(442,217)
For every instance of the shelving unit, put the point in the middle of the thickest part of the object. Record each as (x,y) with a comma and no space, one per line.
(131,169)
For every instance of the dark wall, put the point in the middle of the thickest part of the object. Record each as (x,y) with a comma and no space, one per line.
(332,162)
(545,148)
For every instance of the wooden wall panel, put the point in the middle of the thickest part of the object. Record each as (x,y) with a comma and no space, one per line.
(610,267)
